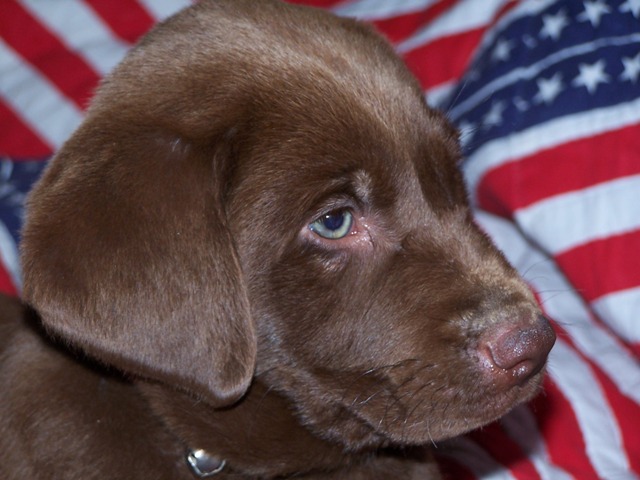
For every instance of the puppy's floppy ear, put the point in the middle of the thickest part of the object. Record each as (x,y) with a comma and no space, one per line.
(127,254)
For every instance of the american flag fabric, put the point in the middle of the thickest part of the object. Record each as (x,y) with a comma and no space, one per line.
(546,94)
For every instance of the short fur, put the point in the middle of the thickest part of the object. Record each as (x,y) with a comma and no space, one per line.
(188,305)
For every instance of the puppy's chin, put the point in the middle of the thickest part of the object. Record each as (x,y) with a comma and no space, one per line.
(415,411)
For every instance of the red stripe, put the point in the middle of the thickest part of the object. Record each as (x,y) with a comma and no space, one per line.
(44,51)
(493,439)
(559,427)
(603,266)
(17,140)
(6,283)
(401,27)
(443,60)
(624,409)
(567,167)
(126,18)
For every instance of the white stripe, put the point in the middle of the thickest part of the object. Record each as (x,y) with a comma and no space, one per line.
(561,303)
(35,100)
(464,16)
(621,311)
(566,221)
(602,437)
(161,9)
(9,255)
(437,95)
(517,146)
(521,426)
(476,459)
(80,29)
(379,9)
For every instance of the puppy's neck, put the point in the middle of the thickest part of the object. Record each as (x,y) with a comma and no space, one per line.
(259,436)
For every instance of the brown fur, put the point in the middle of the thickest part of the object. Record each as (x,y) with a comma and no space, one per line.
(168,254)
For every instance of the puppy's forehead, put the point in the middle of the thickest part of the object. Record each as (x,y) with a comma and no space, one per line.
(380,139)
(328,139)
(332,151)
(314,97)
(307,54)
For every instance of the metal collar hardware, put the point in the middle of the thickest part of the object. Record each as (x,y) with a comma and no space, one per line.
(204,465)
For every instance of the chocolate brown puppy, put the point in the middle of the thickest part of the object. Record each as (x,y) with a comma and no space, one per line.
(255,259)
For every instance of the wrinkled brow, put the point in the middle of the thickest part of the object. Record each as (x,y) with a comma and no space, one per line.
(362,185)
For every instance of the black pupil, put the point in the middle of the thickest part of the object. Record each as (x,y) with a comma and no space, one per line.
(333,221)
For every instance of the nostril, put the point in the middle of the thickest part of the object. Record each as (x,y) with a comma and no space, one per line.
(516,346)
(521,351)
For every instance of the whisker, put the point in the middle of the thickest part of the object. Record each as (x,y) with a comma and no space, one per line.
(399,398)
(459,93)
(373,371)
(376,370)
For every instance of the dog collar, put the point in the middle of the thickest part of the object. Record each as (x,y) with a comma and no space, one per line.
(204,465)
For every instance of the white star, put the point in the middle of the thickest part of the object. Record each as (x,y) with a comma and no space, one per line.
(591,76)
(521,104)
(632,6)
(593,12)
(631,68)
(529,41)
(473,75)
(553,25)
(494,117)
(549,89)
(502,51)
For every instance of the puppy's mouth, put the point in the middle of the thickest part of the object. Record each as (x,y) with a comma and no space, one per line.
(453,385)
(409,403)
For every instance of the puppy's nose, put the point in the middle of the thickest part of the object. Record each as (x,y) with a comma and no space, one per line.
(515,353)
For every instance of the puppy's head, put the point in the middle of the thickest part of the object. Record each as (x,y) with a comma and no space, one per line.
(260,191)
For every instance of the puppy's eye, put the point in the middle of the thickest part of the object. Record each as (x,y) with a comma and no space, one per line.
(333,225)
